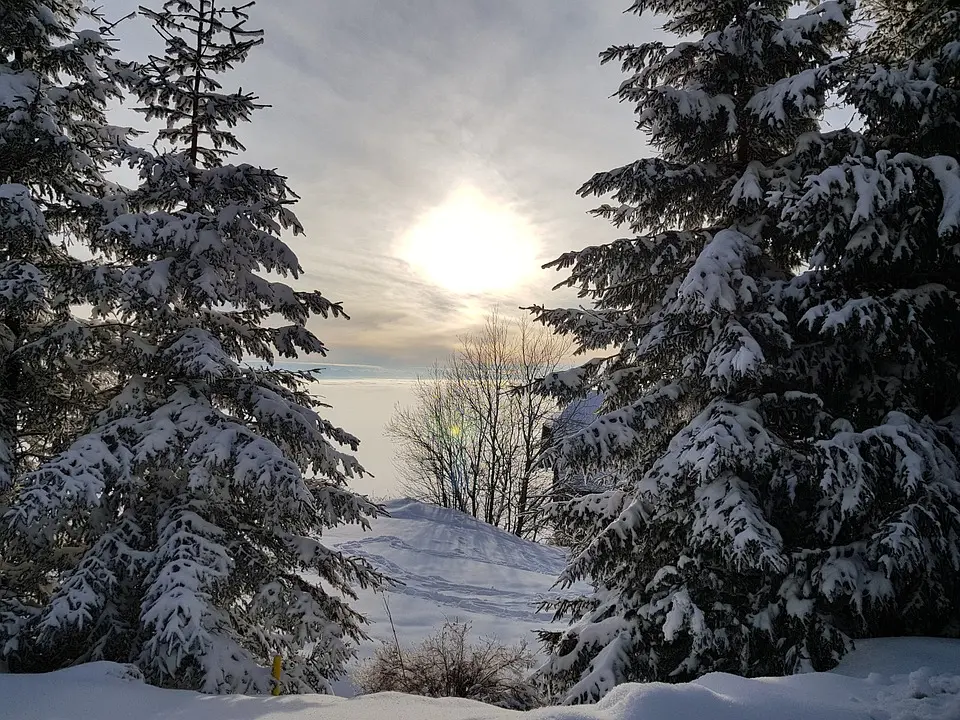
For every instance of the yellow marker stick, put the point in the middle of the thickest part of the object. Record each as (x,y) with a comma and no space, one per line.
(276,674)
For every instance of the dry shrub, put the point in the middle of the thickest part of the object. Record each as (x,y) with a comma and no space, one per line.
(447,664)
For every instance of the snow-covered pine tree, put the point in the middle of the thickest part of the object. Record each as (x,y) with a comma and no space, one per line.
(55,83)
(197,501)
(877,214)
(693,557)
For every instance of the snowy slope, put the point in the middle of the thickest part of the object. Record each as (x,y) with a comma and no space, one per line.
(451,566)
(902,690)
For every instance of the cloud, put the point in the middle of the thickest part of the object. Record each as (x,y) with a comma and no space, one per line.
(380,107)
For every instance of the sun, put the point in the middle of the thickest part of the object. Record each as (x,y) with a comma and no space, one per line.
(471,244)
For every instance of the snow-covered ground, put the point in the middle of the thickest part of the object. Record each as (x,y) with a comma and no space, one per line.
(453,566)
(919,679)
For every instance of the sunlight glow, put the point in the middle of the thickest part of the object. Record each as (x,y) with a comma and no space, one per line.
(472,244)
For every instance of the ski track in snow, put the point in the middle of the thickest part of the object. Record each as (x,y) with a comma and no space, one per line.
(530,563)
(470,598)
(451,566)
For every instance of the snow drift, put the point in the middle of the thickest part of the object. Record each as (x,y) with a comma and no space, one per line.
(887,679)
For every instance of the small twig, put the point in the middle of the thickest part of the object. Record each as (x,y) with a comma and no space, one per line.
(396,640)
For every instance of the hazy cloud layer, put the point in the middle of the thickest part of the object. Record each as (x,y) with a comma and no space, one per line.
(380,107)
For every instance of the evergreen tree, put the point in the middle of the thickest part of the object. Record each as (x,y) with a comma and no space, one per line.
(196,501)
(701,557)
(55,83)
(877,213)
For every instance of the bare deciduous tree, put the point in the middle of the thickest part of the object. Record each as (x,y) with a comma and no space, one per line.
(473,438)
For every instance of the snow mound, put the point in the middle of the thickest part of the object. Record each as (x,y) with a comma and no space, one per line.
(894,687)
(451,566)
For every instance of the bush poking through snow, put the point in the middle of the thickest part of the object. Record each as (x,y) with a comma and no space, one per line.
(448,664)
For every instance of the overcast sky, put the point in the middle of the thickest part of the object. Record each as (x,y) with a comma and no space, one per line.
(383,110)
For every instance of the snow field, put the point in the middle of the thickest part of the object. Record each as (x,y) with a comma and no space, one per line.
(452,567)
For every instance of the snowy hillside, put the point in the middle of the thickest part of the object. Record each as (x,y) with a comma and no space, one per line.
(451,566)
(918,679)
